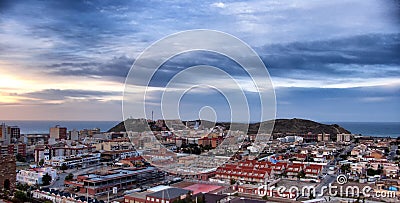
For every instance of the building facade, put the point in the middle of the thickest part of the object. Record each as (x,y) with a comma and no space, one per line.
(7,172)
(34,176)
(13,149)
(58,133)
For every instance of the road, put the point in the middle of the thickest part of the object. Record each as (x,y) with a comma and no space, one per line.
(329,179)
(392,153)
(59,183)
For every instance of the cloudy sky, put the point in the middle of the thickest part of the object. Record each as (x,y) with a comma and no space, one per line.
(328,60)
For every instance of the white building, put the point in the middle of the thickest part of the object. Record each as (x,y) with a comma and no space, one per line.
(73,161)
(34,176)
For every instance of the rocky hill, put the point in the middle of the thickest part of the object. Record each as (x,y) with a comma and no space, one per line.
(285,126)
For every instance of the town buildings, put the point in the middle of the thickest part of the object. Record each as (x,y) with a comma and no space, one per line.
(58,133)
(7,172)
(102,182)
(13,149)
(34,176)
(73,161)
(63,149)
(9,134)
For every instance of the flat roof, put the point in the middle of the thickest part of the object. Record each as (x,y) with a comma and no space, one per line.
(139,195)
(200,188)
(159,188)
(170,193)
(117,174)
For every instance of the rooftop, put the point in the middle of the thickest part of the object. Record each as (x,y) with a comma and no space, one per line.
(117,173)
(170,193)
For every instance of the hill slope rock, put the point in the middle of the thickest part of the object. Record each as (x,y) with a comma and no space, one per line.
(284,126)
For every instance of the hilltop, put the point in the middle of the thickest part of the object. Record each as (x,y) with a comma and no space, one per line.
(284,126)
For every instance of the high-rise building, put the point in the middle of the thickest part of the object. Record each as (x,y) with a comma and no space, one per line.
(74,135)
(9,134)
(13,149)
(7,171)
(4,135)
(15,133)
(58,133)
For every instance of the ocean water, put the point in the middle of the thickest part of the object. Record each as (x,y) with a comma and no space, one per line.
(33,127)
(379,129)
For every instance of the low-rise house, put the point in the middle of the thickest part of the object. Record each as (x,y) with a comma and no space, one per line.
(246,171)
(313,171)
(81,160)
(168,195)
(34,176)
(293,170)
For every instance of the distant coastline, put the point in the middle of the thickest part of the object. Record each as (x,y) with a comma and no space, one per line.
(376,129)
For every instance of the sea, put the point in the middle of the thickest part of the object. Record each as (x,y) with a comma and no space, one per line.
(377,129)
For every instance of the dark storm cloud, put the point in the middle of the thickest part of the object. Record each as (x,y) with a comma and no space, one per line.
(116,68)
(306,40)
(344,57)
(57,94)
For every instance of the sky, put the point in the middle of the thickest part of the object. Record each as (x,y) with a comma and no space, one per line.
(328,60)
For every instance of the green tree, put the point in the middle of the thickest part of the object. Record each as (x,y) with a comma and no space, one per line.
(41,162)
(301,174)
(372,172)
(20,158)
(64,167)
(69,177)
(20,196)
(265,197)
(345,168)
(46,179)
(23,187)
(233,181)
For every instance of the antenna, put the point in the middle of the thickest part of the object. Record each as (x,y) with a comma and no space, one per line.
(152,115)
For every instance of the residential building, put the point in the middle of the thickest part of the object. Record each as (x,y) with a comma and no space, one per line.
(102,182)
(168,195)
(34,176)
(7,172)
(34,139)
(313,171)
(247,171)
(46,152)
(9,134)
(74,135)
(343,137)
(13,149)
(73,161)
(58,133)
